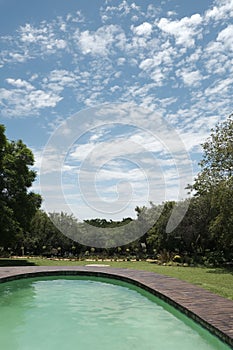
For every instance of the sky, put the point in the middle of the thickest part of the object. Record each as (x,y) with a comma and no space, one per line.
(114,97)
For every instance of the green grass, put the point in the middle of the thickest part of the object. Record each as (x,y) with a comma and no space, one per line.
(216,280)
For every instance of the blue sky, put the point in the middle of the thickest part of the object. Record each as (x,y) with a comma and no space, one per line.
(114,97)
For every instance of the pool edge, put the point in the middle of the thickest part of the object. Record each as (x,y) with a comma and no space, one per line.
(187,298)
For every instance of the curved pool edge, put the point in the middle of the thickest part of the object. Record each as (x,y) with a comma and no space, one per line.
(213,312)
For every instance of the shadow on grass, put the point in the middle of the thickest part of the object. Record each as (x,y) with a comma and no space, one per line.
(221,270)
(15,262)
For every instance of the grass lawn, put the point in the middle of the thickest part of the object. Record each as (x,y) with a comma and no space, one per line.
(216,280)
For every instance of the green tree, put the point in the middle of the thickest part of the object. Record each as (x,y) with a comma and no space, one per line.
(17,204)
(157,237)
(46,234)
(217,163)
(221,227)
(214,185)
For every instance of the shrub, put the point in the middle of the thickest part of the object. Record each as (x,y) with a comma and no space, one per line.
(177,258)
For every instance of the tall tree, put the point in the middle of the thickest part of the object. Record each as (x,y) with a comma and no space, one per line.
(217,162)
(17,204)
(215,184)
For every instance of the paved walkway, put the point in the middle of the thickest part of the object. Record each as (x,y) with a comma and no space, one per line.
(212,311)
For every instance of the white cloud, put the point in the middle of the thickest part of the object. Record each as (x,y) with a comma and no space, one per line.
(63,27)
(82,151)
(148,63)
(60,43)
(217,54)
(121,173)
(161,57)
(171,13)
(184,30)
(222,10)
(226,37)
(99,42)
(61,78)
(190,78)
(26,101)
(43,36)
(121,61)
(34,77)
(19,83)
(144,29)
(122,9)
(19,57)
(195,56)
(221,86)
(158,67)
(98,134)
(152,11)
(30,34)
(115,88)
(41,99)
(78,17)
(134,18)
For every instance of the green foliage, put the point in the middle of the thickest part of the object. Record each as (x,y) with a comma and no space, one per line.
(105,223)
(221,226)
(45,238)
(205,235)
(208,223)
(17,204)
(215,182)
(217,162)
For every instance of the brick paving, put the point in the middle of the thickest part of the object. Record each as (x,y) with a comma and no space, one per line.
(211,311)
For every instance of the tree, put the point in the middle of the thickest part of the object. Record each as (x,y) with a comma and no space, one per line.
(157,237)
(221,226)
(46,236)
(17,204)
(214,184)
(217,162)
(7,223)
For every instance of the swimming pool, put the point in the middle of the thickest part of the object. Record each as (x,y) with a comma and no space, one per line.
(71,312)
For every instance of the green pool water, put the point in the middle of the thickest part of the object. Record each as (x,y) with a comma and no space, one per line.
(90,313)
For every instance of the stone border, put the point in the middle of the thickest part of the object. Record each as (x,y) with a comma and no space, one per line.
(211,311)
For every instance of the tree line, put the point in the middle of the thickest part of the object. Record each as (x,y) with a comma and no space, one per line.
(205,235)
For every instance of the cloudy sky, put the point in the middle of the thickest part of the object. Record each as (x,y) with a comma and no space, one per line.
(114,97)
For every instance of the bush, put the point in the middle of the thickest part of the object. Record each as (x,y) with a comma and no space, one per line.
(165,256)
(215,258)
(177,258)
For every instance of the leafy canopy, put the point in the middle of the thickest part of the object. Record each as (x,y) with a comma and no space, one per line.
(17,204)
